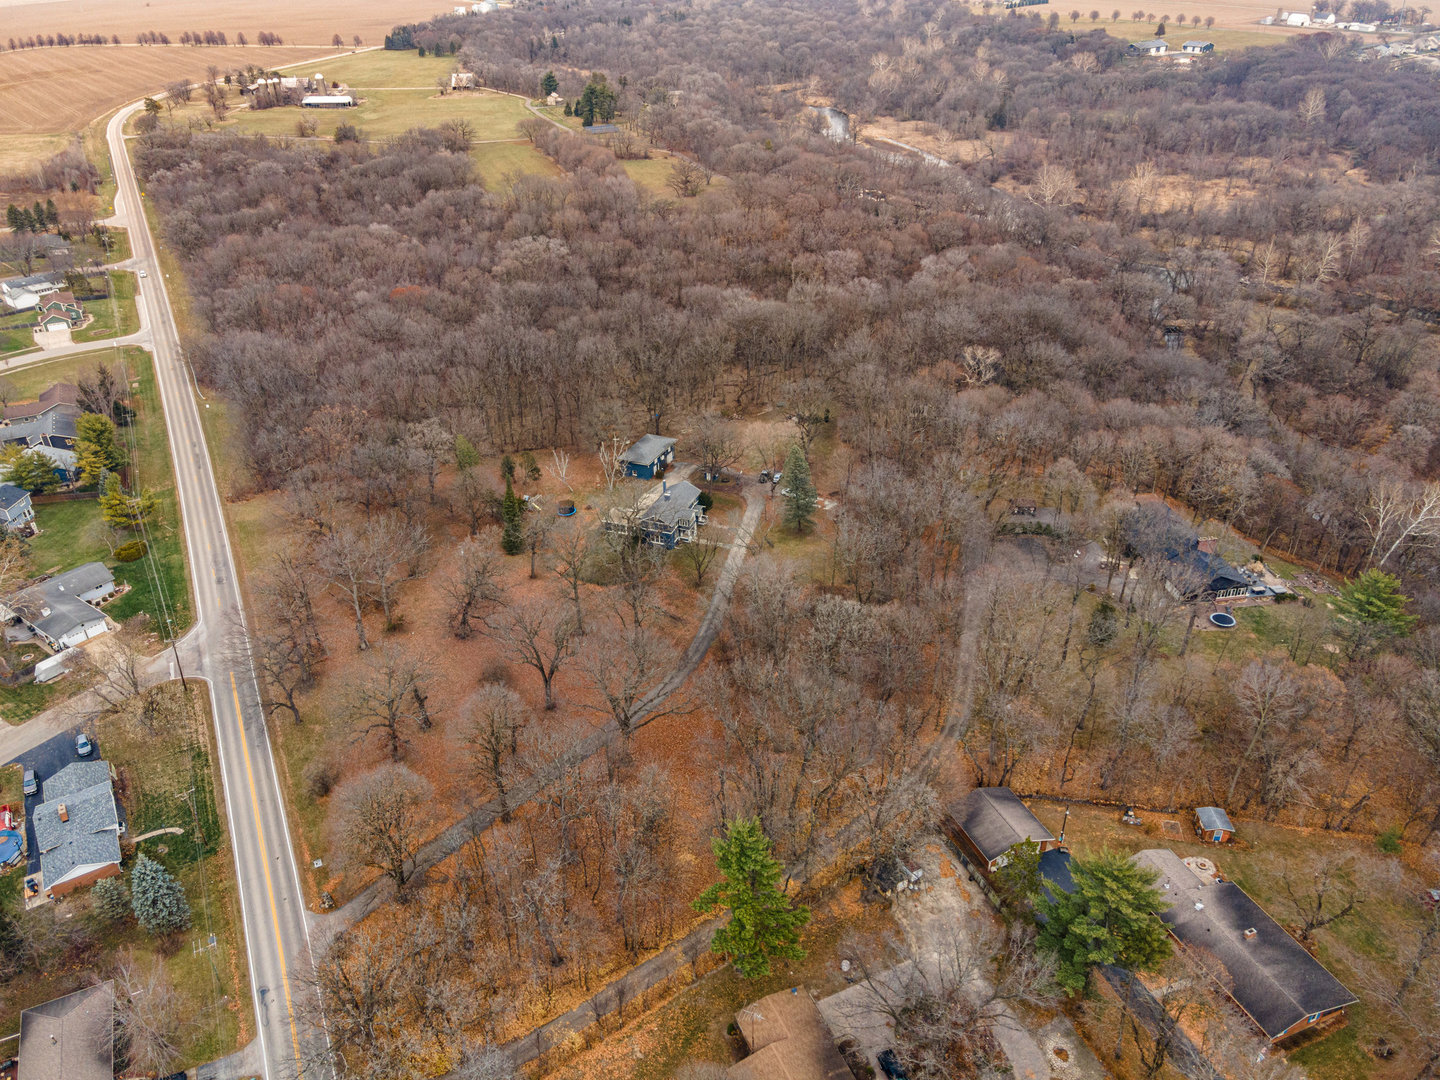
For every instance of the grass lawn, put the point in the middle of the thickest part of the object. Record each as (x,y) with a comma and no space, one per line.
(73,532)
(16,332)
(1391,914)
(115,316)
(1264,629)
(557,113)
(168,782)
(496,162)
(651,175)
(380,113)
(381,67)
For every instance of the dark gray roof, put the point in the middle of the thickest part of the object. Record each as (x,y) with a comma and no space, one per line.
(674,506)
(996,820)
(86,576)
(70,1037)
(55,420)
(91,835)
(1055,870)
(10,495)
(647,450)
(60,595)
(1270,975)
(1212,818)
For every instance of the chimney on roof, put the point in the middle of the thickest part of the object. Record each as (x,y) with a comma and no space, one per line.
(1250,933)
(64,812)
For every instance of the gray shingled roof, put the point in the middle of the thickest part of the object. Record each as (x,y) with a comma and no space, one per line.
(1154,43)
(1271,976)
(69,1037)
(60,595)
(91,835)
(996,820)
(56,420)
(10,495)
(647,449)
(675,506)
(77,776)
(87,576)
(1212,818)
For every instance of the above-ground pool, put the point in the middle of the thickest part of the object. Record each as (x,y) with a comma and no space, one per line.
(1220,619)
(10,844)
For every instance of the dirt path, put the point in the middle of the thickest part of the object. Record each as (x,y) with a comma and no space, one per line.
(454,836)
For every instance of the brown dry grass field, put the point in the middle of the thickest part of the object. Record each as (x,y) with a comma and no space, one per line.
(306,24)
(51,91)
(1229,14)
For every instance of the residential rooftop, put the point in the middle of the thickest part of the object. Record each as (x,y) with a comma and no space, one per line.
(1266,971)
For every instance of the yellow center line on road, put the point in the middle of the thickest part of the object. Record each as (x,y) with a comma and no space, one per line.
(269,888)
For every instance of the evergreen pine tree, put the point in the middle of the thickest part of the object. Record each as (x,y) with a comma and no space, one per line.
(126,511)
(96,450)
(1108,919)
(466,456)
(548,84)
(764,923)
(111,900)
(800,507)
(28,469)
(37,216)
(1375,598)
(512,516)
(157,898)
(52,215)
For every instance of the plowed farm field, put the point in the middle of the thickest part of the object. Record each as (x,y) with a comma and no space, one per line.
(310,23)
(52,91)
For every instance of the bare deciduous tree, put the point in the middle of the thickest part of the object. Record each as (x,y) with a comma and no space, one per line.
(493,719)
(533,633)
(391,700)
(379,819)
(150,1017)
(472,584)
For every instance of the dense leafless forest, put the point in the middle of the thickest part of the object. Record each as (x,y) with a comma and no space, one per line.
(1213,285)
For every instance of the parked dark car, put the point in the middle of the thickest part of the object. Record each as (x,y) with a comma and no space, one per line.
(890,1065)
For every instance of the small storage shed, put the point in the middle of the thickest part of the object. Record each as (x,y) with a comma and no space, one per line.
(1212,824)
(648,457)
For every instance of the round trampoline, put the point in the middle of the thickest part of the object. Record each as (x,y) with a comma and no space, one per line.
(1220,619)
(10,844)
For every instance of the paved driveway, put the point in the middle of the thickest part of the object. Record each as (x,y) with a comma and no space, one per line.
(48,758)
(948,903)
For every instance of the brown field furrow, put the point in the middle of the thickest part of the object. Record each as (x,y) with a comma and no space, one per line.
(45,91)
(313,23)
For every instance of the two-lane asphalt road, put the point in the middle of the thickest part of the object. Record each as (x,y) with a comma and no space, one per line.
(276,932)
